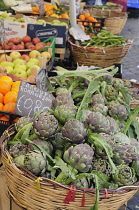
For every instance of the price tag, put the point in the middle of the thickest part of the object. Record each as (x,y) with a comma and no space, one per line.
(31,99)
(2,31)
(41,7)
(41,80)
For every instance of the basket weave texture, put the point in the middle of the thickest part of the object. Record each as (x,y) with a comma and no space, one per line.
(33,193)
(99,56)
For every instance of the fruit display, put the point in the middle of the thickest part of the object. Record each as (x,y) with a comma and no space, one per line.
(88,139)
(53,22)
(23,43)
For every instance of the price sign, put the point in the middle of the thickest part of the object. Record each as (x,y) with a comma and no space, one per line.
(2,31)
(31,99)
(41,80)
(41,7)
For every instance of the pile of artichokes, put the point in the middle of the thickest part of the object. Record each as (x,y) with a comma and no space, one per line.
(89,131)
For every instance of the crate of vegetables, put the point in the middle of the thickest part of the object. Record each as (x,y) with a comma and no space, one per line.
(102,50)
(89,161)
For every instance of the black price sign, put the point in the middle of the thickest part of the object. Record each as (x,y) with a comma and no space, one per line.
(41,7)
(31,99)
(2,31)
(41,80)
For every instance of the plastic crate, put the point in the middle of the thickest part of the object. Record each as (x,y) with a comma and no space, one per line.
(52,46)
(133,4)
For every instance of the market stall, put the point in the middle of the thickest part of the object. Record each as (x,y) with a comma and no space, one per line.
(69,127)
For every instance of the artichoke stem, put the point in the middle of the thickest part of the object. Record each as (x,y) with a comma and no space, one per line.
(61,177)
(33,136)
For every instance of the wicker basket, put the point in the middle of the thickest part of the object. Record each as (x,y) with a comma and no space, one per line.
(34,193)
(99,56)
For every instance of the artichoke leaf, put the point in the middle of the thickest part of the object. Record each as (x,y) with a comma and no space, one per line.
(131,133)
(136,127)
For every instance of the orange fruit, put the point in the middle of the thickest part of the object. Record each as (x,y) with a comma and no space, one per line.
(82,17)
(1,108)
(4,118)
(5,87)
(87,15)
(9,107)
(16,119)
(10,97)
(15,86)
(64,15)
(91,19)
(6,79)
(1,98)
(49,12)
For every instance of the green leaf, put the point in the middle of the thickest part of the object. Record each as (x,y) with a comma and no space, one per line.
(136,126)
(95,206)
(26,134)
(131,118)
(130,133)
(19,134)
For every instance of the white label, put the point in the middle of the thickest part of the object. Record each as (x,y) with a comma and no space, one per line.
(59,40)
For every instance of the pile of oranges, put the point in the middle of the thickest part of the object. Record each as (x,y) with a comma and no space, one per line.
(8,96)
(87,19)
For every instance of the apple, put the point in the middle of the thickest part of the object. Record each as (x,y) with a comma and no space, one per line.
(35,67)
(20,66)
(35,61)
(34,54)
(5,47)
(45,54)
(10,44)
(39,46)
(11,40)
(17,40)
(5,57)
(26,39)
(35,40)
(30,47)
(29,64)
(19,61)
(9,69)
(15,54)
(6,63)
(25,57)
(21,46)
(27,44)
(20,73)
(15,47)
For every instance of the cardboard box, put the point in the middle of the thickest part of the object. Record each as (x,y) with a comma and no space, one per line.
(45,31)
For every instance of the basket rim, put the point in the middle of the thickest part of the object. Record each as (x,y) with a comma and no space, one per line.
(24,172)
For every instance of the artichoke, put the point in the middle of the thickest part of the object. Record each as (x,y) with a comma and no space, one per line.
(45,126)
(124,175)
(20,160)
(61,90)
(110,104)
(62,99)
(79,157)
(127,83)
(22,122)
(65,112)
(36,162)
(121,138)
(82,183)
(46,145)
(107,78)
(74,131)
(99,123)
(102,166)
(118,111)
(98,99)
(135,165)
(123,154)
(100,108)
(134,92)
(111,93)
(18,149)
(118,82)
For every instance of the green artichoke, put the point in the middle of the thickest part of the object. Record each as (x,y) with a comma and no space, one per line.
(98,99)
(20,160)
(98,123)
(65,112)
(18,149)
(110,104)
(61,90)
(118,82)
(123,154)
(118,112)
(111,93)
(79,157)
(63,98)
(36,162)
(102,166)
(82,183)
(45,126)
(100,108)
(46,145)
(135,144)
(22,122)
(124,176)
(74,131)
(121,138)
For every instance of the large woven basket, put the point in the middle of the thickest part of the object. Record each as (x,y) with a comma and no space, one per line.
(99,56)
(33,193)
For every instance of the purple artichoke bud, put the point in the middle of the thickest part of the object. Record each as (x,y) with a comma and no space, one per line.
(62,99)
(102,166)
(98,99)
(45,126)
(118,112)
(74,131)
(36,162)
(111,93)
(18,149)
(118,82)
(86,113)
(107,78)
(80,157)
(82,183)
(124,176)
(61,90)
(100,108)
(123,154)
(65,112)
(22,122)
